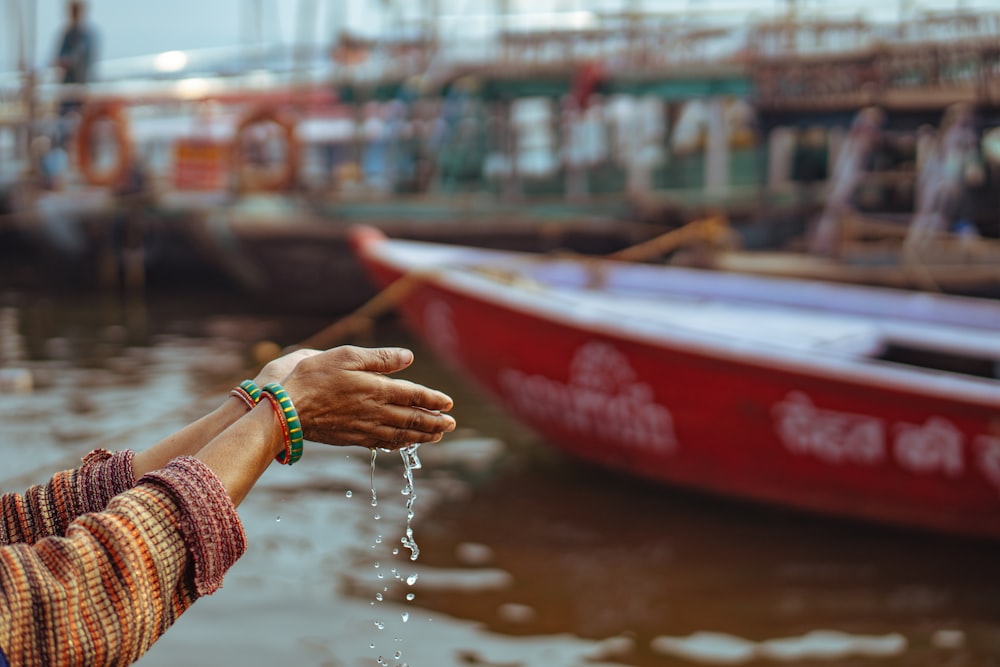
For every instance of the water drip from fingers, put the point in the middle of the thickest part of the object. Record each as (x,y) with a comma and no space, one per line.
(411,462)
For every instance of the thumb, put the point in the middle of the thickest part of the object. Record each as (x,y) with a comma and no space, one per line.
(380,359)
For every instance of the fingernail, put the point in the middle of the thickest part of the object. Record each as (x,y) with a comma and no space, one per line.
(405,355)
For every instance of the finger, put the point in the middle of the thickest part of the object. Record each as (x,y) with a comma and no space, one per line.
(401,432)
(388,438)
(393,424)
(391,417)
(404,392)
(376,359)
(396,438)
(393,446)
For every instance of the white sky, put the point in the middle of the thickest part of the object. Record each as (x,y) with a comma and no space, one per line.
(139,27)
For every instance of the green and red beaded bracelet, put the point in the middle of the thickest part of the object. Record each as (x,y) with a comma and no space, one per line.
(248,392)
(288,417)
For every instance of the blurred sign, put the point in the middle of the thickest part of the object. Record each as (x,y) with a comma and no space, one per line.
(199,164)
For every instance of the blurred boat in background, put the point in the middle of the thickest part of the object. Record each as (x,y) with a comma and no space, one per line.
(874,253)
(867,403)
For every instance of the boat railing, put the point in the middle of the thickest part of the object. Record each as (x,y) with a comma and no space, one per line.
(899,65)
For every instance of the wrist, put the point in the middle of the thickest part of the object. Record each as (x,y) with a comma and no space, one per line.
(275,429)
(231,409)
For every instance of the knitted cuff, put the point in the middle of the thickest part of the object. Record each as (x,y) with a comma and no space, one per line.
(212,530)
(103,476)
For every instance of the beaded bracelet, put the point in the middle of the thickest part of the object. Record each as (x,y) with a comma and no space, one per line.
(289,418)
(248,392)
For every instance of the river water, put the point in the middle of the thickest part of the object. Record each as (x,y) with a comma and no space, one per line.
(526,557)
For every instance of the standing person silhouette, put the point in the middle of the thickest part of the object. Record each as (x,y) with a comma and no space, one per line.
(75,57)
(849,172)
(951,167)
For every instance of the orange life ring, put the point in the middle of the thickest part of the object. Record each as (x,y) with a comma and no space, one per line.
(272,180)
(114,114)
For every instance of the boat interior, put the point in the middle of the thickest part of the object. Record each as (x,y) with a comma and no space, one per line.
(953,335)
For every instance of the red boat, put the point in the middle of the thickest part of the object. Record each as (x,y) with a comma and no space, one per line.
(869,403)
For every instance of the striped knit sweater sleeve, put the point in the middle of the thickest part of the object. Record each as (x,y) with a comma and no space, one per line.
(103,592)
(48,509)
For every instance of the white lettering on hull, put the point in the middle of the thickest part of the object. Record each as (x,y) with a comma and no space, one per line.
(830,436)
(602,399)
(935,447)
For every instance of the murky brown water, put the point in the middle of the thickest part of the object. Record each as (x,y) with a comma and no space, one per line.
(526,558)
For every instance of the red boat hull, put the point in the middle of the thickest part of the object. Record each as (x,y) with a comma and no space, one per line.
(739,427)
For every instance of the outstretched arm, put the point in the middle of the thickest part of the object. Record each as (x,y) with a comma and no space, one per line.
(194,436)
(344,398)
(47,509)
(160,545)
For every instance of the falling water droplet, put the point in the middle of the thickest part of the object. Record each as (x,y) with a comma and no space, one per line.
(372,645)
(410,543)
(395,551)
(277,519)
(410,596)
(411,462)
(397,654)
(378,596)
(374,498)
(405,616)
(378,539)
(349,493)
(410,459)
(380,625)
(412,579)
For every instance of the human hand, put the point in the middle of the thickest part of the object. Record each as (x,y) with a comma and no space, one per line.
(278,369)
(344,397)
